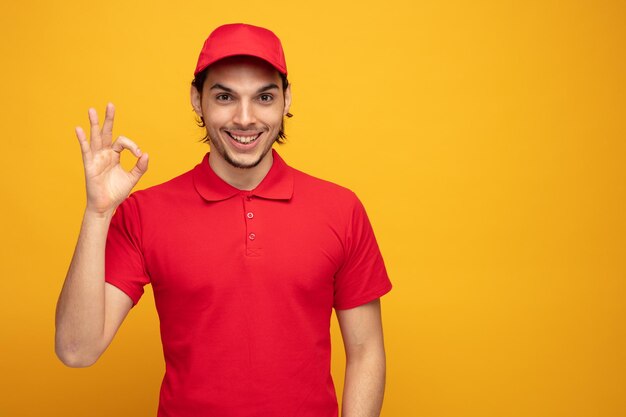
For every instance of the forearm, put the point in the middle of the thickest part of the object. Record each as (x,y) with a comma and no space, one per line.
(80,313)
(364,384)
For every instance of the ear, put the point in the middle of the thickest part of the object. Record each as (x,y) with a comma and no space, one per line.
(196,101)
(287,99)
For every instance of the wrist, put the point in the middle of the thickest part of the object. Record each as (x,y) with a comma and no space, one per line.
(95,214)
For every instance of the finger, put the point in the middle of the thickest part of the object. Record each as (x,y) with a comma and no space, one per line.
(82,140)
(107,127)
(94,134)
(122,142)
(140,168)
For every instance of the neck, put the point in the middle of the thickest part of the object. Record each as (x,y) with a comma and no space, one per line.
(241,178)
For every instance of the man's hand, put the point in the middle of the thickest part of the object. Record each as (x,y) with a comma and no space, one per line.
(108,184)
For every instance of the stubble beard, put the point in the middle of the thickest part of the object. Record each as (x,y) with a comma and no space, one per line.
(220,149)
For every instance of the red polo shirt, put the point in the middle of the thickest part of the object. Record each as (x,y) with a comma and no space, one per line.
(244,283)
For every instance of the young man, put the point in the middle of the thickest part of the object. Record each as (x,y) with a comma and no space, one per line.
(247,256)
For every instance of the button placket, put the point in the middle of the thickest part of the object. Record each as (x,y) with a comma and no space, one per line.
(252,238)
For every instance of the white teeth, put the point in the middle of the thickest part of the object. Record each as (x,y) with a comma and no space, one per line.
(244,139)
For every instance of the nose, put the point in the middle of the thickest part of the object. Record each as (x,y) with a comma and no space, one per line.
(244,114)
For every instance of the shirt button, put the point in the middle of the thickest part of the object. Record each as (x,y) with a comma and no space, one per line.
(251,236)
(250,215)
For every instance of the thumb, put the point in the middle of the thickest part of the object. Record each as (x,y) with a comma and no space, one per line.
(140,167)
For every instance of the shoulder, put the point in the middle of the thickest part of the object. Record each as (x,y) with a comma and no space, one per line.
(170,192)
(323,190)
(333,202)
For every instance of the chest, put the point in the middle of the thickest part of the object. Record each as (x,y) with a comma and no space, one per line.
(242,250)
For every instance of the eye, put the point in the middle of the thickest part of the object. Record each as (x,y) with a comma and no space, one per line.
(222,97)
(266,98)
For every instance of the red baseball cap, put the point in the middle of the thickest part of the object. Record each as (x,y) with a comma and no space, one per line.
(242,39)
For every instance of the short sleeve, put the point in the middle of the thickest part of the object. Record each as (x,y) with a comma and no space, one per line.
(124,261)
(362,277)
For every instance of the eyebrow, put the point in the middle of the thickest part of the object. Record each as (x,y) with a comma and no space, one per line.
(267,87)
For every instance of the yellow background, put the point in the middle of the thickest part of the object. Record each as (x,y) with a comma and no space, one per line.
(486,139)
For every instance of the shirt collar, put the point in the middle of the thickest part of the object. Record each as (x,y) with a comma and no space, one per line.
(277,184)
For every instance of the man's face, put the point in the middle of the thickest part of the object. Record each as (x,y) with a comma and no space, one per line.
(242,104)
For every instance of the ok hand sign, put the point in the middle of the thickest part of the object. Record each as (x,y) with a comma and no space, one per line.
(108,184)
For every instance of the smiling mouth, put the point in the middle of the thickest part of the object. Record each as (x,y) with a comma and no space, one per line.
(244,140)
